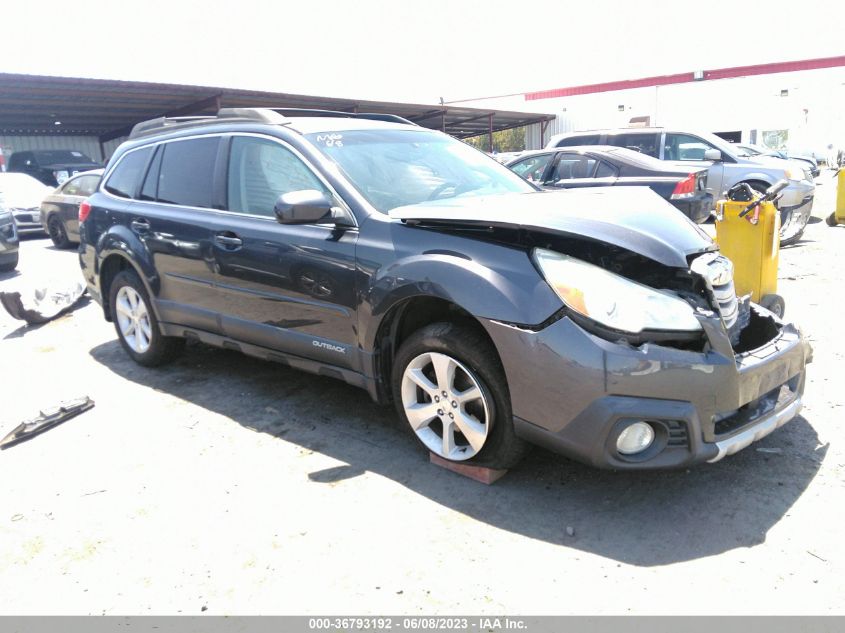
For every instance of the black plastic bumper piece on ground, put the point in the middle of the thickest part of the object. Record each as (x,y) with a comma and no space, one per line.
(46,420)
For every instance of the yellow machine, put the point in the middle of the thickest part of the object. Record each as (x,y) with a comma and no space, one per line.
(748,233)
(838,216)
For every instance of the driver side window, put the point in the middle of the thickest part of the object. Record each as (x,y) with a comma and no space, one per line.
(533,167)
(685,147)
(260,170)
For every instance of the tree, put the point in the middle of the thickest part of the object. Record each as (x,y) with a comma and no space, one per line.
(512,140)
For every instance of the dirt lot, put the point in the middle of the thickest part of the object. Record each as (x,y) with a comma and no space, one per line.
(232,486)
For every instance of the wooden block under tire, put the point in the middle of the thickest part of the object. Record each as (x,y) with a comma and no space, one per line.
(481,474)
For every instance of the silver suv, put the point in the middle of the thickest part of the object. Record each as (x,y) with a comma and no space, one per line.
(727,166)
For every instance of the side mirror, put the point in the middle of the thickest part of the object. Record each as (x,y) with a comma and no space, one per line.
(302,207)
(712,154)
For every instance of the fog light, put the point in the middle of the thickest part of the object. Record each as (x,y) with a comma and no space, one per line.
(635,438)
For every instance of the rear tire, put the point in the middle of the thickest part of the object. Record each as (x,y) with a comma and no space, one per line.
(136,323)
(831,220)
(448,379)
(57,231)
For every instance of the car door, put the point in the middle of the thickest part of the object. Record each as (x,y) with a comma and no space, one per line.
(174,216)
(573,170)
(689,149)
(284,287)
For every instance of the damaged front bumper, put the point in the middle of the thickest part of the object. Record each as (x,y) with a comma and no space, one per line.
(582,391)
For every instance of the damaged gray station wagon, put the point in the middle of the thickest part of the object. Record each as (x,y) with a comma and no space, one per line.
(600,323)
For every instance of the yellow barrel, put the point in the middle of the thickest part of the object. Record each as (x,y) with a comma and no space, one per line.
(839,214)
(753,248)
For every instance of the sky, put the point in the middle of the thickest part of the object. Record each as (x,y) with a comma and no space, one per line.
(407,51)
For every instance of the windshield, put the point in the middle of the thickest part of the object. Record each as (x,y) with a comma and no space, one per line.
(748,150)
(394,168)
(53,157)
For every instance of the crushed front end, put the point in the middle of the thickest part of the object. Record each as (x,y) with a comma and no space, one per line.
(659,399)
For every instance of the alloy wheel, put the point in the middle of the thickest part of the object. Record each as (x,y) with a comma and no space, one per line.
(446,406)
(133,319)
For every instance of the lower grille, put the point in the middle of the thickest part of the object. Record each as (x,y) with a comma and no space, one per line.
(777,398)
(677,433)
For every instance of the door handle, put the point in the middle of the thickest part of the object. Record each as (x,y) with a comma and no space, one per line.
(229,240)
(140,225)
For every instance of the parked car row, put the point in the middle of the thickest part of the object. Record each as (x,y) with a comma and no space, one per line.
(37,208)
(606,166)
(598,322)
(726,166)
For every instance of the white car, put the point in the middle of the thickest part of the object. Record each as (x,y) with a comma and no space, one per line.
(22,195)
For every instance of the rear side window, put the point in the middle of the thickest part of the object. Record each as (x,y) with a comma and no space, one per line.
(260,171)
(126,177)
(88,185)
(187,172)
(574,166)
(645,143)
(72,187)
(586,139)
(605,170)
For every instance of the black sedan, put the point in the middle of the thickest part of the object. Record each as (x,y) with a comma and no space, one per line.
(60,210)
(603,166)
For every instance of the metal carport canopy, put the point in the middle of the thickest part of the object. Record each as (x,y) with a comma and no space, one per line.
(107,109)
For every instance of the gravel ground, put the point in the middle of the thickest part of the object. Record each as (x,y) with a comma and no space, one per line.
(227,485)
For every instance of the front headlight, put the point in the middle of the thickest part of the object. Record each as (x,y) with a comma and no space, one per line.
(793,173)
(611,300)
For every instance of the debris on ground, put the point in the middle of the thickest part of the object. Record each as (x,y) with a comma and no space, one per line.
(570,531)
(39,305)
(47,419)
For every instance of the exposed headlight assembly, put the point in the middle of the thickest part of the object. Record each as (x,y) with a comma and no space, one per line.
(793,173)
(611,300)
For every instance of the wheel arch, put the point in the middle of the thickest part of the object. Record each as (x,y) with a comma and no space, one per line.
(405,317)
(112,264)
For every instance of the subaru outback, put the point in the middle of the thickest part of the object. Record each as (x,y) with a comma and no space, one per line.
(599,323)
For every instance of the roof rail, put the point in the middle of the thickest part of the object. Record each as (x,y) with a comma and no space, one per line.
(154,125)
(277,116)
(373,116)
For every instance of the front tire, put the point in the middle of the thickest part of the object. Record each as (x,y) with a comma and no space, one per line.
(57,232)
(450,389)
(136,323)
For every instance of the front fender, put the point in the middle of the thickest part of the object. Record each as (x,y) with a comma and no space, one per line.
(514,292)
(767,178)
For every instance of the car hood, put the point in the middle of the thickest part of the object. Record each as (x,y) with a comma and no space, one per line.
(633,218)
(773,162)
(26,199)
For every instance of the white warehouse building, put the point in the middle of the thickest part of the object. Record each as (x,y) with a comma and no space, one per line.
(788,105)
